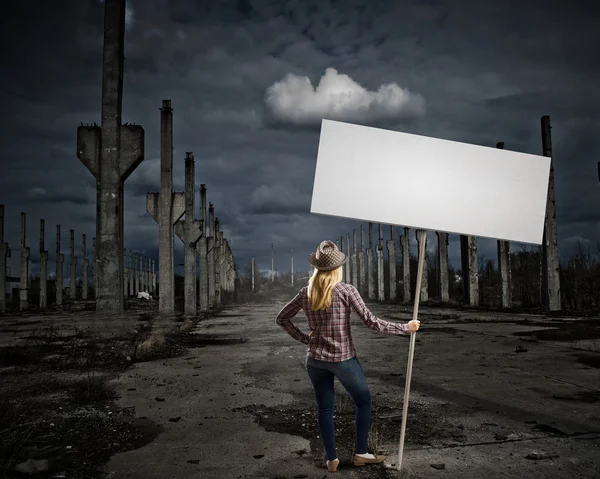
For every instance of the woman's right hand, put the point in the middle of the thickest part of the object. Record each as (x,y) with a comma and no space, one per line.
(414,325)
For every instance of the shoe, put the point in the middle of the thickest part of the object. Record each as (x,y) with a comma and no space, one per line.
(361,461)
(333,465)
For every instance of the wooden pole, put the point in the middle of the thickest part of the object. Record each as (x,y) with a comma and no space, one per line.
(411,351)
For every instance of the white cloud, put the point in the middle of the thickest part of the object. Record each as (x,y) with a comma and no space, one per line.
(339,97)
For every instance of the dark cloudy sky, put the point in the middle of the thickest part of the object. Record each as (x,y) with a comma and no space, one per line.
(250,81)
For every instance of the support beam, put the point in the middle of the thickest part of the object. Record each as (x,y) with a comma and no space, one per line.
(470,269)
(211,255)
(504,265)
(166,207)
(131,275)
(370,275)
(111,152)
(424,280)
(94,262)
(201,249)
(43,267)
(405,240)
(24,288)
(391,247)
(443,277)
(3,256)
(362,273)
(189,231)
(354,261)
(550,264)
(348,278)
(73,267)
(380,274)
(84,269)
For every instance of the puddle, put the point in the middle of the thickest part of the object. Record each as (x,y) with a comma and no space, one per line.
(201,340)
(571,332)
(591,360)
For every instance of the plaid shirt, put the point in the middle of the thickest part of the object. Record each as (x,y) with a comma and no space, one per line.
(330,338)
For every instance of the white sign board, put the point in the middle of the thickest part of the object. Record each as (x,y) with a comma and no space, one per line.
(402,179)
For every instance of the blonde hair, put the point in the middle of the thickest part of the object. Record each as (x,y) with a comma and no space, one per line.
(320,287)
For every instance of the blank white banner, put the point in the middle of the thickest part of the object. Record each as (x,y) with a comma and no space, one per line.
(389,177)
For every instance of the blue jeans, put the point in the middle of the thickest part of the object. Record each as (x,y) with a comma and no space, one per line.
(352,377)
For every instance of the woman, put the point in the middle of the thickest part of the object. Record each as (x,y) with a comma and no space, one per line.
(327,303)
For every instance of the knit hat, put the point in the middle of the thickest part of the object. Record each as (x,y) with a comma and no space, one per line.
(327,257)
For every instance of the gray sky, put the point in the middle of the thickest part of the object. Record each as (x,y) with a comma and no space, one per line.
(249,83)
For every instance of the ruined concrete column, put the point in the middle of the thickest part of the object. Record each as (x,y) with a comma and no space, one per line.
(211,255)
(550,264)
(126,272)
(362,274)
(111,152)
(148,276)
(470,269)
(136,272)
(370,275)
(153,277)
(130,276)
(221,266)
(341,248)
(84,269)
(24,290)
(443,264)
(43,267)
(189,231)
(94,262)
(348,264)
(354,261)
(166,207)
(201,249)
(391,247)
(217,248)
(3,256)
(504,265)
(73,266)
(424,281)
(405,240)
(380,275)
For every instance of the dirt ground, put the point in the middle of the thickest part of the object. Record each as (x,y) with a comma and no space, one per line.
(493,395)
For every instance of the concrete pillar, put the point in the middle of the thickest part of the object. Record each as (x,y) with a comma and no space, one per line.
(354,261)
(405,240)
(380,275)
(348,264)
(340,245)
(189,231)
(201,249)
(370,276)
(148,276)
(504,265)
(252,274)
(470,269)
(211,255)
(73,267)
(94,262)
(111,152)
(391,247)
(166,207)
(136,272)
(43,267)
(126,272)
(3,256)
(424,284)
(130,275)
(443,264)
(153,277)
(362,273)
(84,269)
(217,246)
(24,288)
(550,264)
